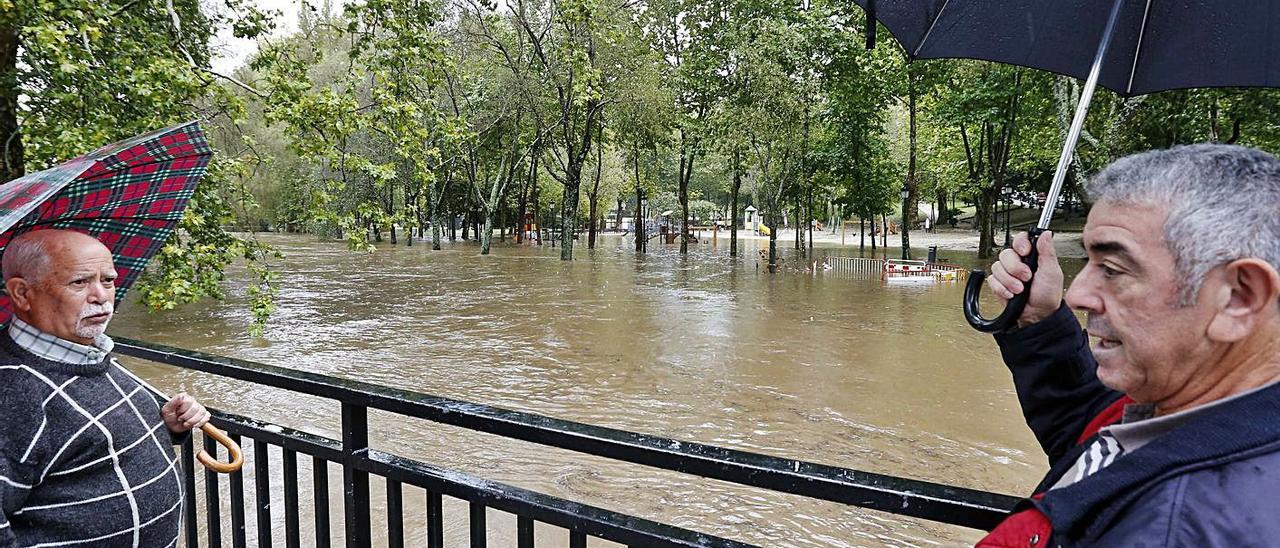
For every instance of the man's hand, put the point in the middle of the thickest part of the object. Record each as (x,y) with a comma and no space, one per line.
(1009,275)
(183,413)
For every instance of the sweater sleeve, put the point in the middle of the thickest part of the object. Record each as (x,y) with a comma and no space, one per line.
(1056,378)
(16,481)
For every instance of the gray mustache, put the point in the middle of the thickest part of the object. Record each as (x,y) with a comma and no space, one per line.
(1098,327)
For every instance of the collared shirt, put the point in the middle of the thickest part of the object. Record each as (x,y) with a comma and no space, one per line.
(56,349)
(1138,427)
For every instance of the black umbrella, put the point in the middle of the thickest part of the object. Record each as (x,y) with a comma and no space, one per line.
(1132,47)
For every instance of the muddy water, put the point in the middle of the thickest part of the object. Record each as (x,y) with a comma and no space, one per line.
(703,348)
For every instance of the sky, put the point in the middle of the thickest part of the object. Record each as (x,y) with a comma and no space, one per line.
(233,52)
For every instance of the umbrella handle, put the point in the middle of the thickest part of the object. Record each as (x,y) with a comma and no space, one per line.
(233,452)
(1017,304)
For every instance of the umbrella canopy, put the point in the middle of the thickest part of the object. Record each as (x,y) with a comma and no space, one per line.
(129,195)
(1157,46)
(1132,47)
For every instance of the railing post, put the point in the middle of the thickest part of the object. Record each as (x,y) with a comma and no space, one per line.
(212,502)
(189,491)
(355,446)
(262,491)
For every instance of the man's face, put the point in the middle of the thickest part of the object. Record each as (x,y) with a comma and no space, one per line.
(1145,344)
(74,299)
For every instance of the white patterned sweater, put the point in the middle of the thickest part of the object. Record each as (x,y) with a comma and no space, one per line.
(85,459)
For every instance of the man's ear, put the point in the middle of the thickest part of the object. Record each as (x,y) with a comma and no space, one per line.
(19,290)
(1247,293)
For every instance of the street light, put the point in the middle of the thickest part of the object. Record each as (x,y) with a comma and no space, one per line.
(642,221)
(906,195)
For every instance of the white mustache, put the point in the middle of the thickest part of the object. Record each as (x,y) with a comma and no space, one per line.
(96,309)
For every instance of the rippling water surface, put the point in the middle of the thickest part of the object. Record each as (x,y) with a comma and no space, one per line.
(701,347)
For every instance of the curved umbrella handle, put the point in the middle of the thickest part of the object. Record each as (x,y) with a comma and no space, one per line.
(233,452)
(1013,310)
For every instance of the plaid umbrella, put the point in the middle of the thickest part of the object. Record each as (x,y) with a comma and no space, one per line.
(129,195)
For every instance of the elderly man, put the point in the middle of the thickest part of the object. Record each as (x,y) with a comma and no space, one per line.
(1165,433)
(87,455)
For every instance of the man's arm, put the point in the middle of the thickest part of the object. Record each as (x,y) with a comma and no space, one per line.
(1055,376)
(1053,369)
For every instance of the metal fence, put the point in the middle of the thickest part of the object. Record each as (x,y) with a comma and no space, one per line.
(919,499)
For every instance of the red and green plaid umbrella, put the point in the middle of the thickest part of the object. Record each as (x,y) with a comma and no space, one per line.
(129,195)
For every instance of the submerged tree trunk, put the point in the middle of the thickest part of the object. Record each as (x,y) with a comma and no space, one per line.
(808,221)
(593,197)
(884,221)
(434,211)
(639,218)
(862,235)
(909,204)
(773,240)
(874,232)
(986,222)
(486,231)
(799,231)
(733,208)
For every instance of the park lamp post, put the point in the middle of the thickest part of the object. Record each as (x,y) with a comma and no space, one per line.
(906,195)
(551,226)
(1008,205)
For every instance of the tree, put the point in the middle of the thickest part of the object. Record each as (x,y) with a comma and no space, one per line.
(987,112)
(568,41)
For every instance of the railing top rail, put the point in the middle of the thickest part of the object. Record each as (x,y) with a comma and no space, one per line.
(928,500)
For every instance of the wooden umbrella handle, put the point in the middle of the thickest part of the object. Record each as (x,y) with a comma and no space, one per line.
(233,451)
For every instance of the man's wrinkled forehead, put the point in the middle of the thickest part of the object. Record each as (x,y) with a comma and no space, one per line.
(1127,229)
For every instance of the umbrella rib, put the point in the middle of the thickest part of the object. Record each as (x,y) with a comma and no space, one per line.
(1142,31)
(932,24)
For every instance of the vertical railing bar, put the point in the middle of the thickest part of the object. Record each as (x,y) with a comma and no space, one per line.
(477,525)
(524,532)
(435,520)
(290,458)
(395,514)
(189,490)
(237,503)
(320,496)
(212,500)
(355,447)
(577,539)
(262,491)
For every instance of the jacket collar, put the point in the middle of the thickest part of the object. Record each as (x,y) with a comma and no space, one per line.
(1227,432)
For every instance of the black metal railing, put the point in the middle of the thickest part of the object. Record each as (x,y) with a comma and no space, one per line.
(901,496)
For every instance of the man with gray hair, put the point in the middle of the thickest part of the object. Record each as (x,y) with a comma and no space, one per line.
(86,453)
(1165,432)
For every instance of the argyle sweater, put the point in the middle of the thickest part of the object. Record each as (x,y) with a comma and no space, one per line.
(85,459)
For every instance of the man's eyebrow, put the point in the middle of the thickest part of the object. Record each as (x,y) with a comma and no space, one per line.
(1109,247)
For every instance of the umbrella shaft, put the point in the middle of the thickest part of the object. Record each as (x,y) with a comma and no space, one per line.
(1077,123)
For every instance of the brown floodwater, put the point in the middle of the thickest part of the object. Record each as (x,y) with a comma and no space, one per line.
(703,347)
